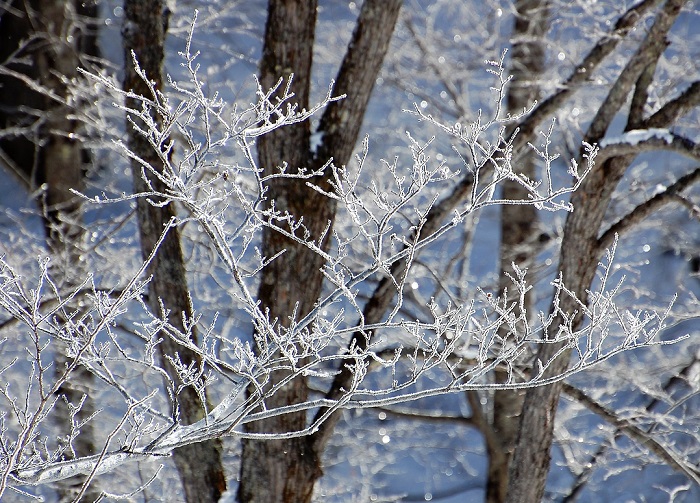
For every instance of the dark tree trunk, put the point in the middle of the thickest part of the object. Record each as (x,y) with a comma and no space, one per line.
(581,249)
(282,470)
(199,465)
(46,155)
(286,470)
(519,228)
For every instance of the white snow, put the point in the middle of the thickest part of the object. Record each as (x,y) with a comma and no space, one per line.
(316,141)
(637,136)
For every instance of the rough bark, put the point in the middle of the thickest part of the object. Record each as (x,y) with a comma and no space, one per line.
(286,470)
(579,258)
(283,470)
(44,154)
(519,226)
(199,465)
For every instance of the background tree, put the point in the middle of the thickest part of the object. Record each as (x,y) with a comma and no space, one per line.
(586,236)
(43,43)
(458,88)
(521,238)
(199,465)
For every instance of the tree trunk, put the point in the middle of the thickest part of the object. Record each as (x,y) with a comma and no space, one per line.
(286,470)
(199,465)
(280,470)
(581,250)
(519,229)
(47,156)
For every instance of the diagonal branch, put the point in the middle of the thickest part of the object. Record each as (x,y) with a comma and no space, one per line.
(340,125)
(547,108)
(647,54)
(583,477)
(634,432)
(648,207)
(676,108)
(635,120)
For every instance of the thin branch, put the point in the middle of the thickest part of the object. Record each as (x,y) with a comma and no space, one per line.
(583,72)
(428,417)
(648,207)
(649,51)
(634,432)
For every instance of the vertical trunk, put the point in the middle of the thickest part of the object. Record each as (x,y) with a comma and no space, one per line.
(518,228)
(281,470)
(60,168)
(199,465)
(286,470)
(579,259)
(48,156)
